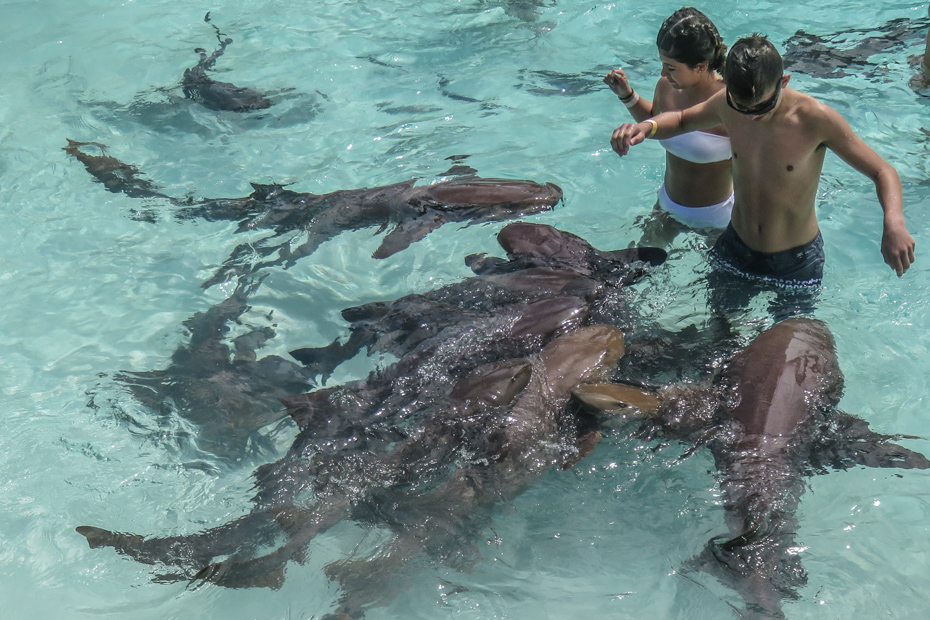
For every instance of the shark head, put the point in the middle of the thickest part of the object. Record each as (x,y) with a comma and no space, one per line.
(583,356)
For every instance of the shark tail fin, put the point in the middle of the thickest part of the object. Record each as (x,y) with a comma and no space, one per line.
(98,537)
(649,255)
(613,398)
(753,532)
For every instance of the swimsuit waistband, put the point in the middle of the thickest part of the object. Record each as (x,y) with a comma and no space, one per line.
(711,216)
(801,266)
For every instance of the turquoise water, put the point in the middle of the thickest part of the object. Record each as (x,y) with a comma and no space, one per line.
(370,95)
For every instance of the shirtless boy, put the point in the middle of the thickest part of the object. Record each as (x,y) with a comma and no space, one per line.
(779,138)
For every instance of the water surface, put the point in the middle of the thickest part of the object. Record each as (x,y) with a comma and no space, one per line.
(370,94)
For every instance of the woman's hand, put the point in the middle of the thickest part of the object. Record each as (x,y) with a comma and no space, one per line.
(625,136)
(618,83)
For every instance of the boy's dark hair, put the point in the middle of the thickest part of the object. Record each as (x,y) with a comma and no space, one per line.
(753,67)
(690,37)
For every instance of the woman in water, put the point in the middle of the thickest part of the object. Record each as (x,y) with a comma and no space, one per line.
(698,187)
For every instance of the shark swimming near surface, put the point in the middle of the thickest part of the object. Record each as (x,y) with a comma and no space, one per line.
(770,419)
(500,429)
(542,261)
(213,94)
(409,210)
(116,176)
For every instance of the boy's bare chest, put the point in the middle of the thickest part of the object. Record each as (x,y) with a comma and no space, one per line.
(782,151)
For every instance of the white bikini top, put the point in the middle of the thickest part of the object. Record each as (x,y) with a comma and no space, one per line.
(699,147)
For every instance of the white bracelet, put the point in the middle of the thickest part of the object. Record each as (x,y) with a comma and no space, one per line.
(655,127)
(633,101)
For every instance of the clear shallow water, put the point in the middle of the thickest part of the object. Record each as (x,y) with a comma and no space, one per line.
(372,95)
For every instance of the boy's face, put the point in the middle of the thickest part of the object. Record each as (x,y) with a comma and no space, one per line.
(761,106)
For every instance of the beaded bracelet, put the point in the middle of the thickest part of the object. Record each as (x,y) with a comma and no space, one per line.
(631,100)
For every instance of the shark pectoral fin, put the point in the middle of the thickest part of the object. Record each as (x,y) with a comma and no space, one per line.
(849,441)
(482,264)
(649,255)
(408,232)
(308,355)
(611,398)
(886,454)
(249,574)
(584,444)
(752,533)
(324,360)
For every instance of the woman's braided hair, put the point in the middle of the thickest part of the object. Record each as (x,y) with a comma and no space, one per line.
(689,36)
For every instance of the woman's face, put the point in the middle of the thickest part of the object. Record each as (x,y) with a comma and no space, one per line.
(679,74)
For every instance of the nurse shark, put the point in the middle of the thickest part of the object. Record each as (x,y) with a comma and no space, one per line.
(542,261)
(213,94)
(769,419)
(500,429)
(410,211)
(222,387)
(116,176)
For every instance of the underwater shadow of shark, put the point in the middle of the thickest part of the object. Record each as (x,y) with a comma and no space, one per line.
(849,51)
(228,392)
